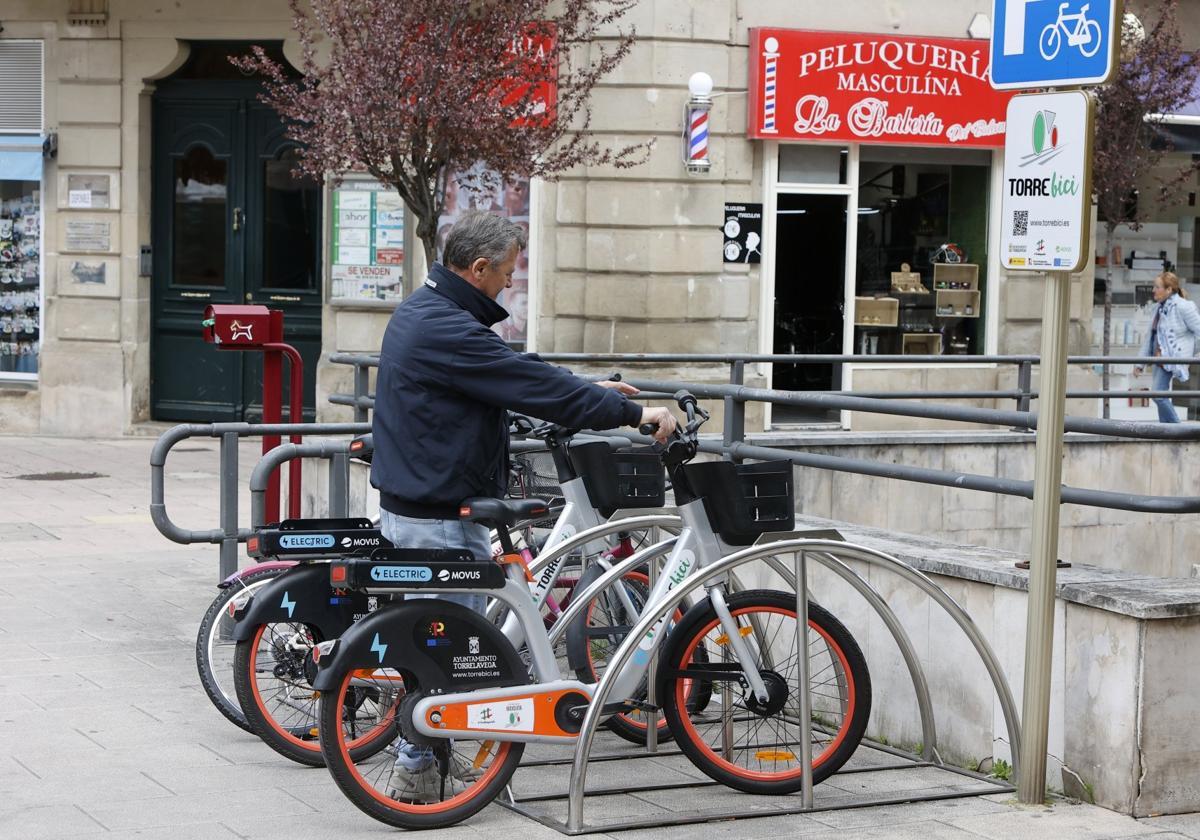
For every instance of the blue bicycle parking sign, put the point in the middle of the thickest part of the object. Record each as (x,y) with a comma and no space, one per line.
(1053,43)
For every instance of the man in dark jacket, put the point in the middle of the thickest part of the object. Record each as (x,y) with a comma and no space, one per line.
(440,427)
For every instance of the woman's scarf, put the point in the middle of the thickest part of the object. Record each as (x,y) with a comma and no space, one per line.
(1168,340)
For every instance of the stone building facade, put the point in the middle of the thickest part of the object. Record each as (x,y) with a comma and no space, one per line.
(622,261)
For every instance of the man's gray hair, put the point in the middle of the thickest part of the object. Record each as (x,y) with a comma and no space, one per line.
(478,234)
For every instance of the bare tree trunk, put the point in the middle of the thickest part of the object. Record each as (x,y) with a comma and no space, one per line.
(1105,345)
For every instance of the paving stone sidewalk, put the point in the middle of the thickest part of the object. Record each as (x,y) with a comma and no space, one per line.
(105,732)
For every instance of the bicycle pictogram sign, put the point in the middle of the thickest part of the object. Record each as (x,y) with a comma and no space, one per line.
(1085,34)
(1053,43)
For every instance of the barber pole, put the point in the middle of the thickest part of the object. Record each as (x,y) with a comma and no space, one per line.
(696,131)
(698,137)
(770,68)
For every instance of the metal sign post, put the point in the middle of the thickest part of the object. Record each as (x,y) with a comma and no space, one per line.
(1046,227)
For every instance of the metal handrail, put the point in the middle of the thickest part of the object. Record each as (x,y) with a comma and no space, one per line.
(362,401)
(733,445)
(228,535)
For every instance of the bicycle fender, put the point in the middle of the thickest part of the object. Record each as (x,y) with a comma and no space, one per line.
(443,645)
(302,595)
(257,567)
(577,640)
(577,631)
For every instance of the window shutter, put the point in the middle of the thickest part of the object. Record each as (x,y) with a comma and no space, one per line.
(21,86)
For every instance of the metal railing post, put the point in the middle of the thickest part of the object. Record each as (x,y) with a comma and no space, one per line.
(362,387)
(339,485)
(735,411)
(229,505)
(1024,389)
(1024,385)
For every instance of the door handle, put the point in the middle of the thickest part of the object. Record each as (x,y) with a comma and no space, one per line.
(238,218)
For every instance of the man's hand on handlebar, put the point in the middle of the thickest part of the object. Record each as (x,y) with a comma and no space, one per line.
(663,421)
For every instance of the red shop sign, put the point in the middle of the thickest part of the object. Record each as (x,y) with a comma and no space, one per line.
(859,87)
(534,52)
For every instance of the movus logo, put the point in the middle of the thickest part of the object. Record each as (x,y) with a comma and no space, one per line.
(359,542)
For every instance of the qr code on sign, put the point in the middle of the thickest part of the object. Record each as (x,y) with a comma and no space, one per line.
(1020,223)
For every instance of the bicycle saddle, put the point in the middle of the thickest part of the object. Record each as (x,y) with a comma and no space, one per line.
(501,511)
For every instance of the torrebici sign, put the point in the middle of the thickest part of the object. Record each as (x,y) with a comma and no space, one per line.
(1046,208)
(860,87)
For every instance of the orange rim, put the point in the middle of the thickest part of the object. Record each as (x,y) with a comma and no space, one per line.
(744,772)
(313,746)
(432,808)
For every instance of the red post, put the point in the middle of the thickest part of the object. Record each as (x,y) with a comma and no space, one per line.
(236,327)
(272,402)
(296,415)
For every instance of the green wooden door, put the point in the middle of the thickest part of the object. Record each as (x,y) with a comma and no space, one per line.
(231,224)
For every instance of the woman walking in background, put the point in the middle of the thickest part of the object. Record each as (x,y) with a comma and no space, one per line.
(1173,334)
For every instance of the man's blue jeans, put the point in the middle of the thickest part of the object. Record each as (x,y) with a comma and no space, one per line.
(1161,381)
(406,532)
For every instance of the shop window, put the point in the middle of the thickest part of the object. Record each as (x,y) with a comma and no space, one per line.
(20,276)
(921,275)
(1164,241)
(480,189)
(800,164)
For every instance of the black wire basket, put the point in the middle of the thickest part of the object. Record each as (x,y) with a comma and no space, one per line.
(525,482)
(631,478)
(744,501)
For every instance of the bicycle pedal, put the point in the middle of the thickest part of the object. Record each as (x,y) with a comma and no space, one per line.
(630,706)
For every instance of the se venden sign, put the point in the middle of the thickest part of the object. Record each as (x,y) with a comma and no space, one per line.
(859,87)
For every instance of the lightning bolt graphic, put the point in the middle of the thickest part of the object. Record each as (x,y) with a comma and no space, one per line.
(287,604)
(378,648)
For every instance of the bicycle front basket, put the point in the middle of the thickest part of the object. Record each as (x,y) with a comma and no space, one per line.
(631,478)
(745,500)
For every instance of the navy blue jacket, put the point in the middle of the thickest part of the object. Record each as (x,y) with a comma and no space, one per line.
(445,381)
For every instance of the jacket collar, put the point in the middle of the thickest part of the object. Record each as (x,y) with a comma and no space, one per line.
(446,283)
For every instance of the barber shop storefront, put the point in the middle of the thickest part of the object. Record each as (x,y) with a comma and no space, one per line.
(879,184)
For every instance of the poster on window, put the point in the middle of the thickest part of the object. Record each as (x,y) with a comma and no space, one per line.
(481,189)
(366,242)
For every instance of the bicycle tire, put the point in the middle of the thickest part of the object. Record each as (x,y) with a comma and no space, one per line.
(1050,35)
(361,778)
(207,644)
(767,618)
(295,737)
(1093,27)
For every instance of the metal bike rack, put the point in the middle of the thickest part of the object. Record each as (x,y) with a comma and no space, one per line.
(831,555)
